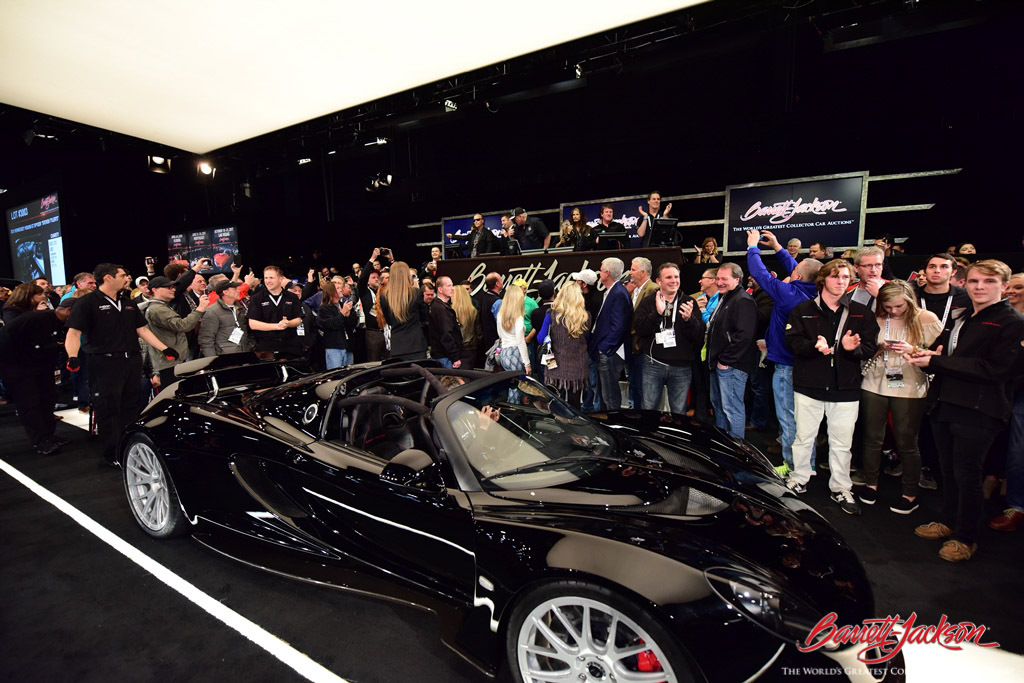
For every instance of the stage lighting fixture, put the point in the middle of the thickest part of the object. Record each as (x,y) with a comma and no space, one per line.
(450,105)
(304,160)
(31,135)
(384,179)
(158,164)
(579,71)
(206,169)
(378,141)
(333,151)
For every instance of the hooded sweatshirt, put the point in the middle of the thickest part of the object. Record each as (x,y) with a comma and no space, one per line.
(786,295)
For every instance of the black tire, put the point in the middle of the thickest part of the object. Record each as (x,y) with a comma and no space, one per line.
(528,646)
(151,495)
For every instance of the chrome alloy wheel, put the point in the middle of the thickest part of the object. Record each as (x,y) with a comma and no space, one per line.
(579,639)
(148,487)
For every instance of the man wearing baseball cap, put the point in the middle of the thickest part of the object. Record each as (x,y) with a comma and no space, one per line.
(169,327)
(224,328)
(531,232)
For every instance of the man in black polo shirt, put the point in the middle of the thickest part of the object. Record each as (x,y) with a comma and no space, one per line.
(112,324)
(531,232)
(274,316)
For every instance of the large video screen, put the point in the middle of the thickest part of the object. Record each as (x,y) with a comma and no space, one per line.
(37,248)
(219,244)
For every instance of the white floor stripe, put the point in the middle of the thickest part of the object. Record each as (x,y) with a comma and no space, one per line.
(288,655)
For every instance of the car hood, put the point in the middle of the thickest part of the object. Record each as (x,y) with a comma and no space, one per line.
(695,494)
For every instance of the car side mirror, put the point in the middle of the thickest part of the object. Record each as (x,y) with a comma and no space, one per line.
(413,468)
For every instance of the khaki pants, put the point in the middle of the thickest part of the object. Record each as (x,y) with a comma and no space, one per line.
(842,417)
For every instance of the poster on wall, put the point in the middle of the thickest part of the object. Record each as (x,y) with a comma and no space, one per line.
(826,209)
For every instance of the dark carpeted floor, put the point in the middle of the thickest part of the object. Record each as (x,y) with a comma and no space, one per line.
(77,610)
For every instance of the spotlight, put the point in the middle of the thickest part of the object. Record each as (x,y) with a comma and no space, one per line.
(579,70)
(384,179)
(31,135)
(158,164)
(378,141)
(206,169)
(333,151)
(450,105)
(305,160)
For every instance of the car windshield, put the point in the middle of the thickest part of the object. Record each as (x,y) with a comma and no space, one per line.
(517,435)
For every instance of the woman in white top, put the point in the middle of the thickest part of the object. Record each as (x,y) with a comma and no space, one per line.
(891,385)
(512,334)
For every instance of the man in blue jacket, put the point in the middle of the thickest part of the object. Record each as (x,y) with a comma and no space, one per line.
(611,332)
(786,296)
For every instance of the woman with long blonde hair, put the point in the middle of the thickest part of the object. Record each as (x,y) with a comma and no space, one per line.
(465,311)
(512,334)
(891,385)
(567,334)
(402,307)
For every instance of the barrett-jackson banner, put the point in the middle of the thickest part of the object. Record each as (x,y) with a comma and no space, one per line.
(552,266)
(826,210)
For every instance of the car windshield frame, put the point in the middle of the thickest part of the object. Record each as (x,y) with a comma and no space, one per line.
(590,446)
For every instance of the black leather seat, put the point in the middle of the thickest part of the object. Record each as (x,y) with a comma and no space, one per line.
(380,428)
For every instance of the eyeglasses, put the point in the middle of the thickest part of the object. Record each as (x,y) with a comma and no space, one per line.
(478,220)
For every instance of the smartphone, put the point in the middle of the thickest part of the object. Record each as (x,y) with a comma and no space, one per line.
(892,341)
(150,260)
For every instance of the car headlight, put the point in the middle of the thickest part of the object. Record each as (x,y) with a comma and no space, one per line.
(764,603)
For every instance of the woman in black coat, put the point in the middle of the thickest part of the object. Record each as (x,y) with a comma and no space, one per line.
(28,357)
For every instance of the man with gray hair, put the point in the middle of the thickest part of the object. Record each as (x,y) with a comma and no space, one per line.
(643,286)
(609,342)
(868,262)
(793,247)
(732,354)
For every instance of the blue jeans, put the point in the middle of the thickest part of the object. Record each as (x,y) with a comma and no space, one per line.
(1015,457)
(761,406)
(337,358)
(445,362)
(636,374)
(782,387)
(592,394)
(727,389)
(657,375)
(609,368)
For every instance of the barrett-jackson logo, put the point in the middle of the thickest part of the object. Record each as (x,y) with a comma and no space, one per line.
(781,212)
(46,202)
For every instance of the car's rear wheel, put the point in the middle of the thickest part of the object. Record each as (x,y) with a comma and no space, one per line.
(151,495)
(575,631)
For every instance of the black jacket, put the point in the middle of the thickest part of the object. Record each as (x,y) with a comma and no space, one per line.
(979,373)
(811,368)
(408,339)
(445,331)
(689,333)
(731,332)
(488,324)
(487,243)
(337,329)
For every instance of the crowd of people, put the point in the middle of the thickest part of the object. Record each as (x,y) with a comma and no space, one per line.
(832,352)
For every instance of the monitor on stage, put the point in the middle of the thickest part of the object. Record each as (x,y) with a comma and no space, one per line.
(37,246)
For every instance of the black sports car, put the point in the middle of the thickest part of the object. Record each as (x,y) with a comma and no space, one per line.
(631,546)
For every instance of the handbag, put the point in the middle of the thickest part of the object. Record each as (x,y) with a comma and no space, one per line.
(491,356)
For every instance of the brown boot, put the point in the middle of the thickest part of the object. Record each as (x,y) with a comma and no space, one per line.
(933,530)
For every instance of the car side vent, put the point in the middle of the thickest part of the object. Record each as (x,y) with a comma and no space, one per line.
(686,501)
(678,459)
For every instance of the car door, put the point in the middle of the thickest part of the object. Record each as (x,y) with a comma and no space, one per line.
(422,533)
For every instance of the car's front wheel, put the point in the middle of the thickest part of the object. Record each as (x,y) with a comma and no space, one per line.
(575,631)
(151,495)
